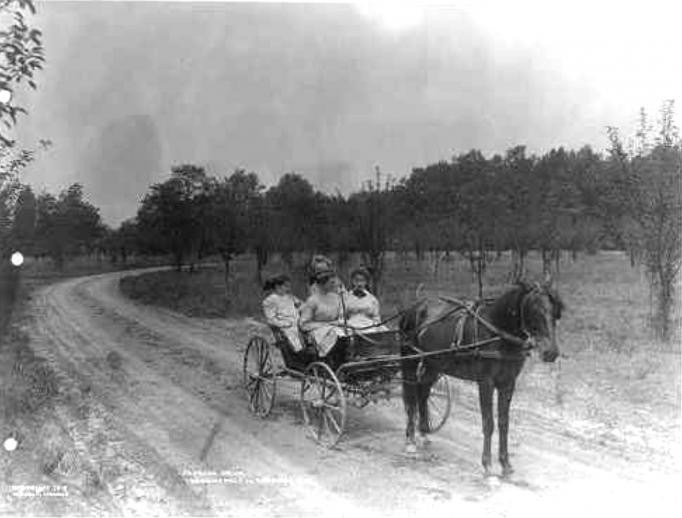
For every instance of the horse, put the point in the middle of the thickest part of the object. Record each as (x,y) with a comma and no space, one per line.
(494,337)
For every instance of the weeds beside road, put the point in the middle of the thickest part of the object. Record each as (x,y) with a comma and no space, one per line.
(28,385)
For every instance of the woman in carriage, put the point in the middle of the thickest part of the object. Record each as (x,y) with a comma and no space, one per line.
(361,306)
(322,316)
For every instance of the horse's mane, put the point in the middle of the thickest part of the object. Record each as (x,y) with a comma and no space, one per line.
(505,311)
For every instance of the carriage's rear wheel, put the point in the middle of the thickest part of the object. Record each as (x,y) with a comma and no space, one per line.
(323,404)
(259,376)
(439,402)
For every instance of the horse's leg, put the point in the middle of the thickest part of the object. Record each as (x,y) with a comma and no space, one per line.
(504,397)
(423,392)
(410,401)
(485,398)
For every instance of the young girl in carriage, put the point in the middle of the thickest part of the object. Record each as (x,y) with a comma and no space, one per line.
(281,309)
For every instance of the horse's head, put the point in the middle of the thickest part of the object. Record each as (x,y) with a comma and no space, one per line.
(540,308)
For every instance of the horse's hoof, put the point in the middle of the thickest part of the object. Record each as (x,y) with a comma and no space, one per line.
(507,471)
(423,441)
(411,449)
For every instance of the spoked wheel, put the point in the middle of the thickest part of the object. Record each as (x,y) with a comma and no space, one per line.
(439,403)
(259,376)
(323,404)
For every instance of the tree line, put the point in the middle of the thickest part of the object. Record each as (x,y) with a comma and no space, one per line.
(563,201)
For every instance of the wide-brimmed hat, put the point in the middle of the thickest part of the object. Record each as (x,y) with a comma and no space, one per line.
(323,276)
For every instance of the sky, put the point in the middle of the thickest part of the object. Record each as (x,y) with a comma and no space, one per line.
(331,90)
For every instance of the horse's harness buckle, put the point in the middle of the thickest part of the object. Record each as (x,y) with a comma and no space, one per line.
(421,370)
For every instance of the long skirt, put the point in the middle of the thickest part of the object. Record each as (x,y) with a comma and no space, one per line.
(325,338)
(294,338)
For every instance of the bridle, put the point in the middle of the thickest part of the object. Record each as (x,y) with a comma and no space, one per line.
(536,288)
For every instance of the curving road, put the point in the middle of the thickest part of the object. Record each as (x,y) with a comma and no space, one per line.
(152,400)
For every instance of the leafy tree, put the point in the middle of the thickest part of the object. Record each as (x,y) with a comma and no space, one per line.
(21,55)
(66,225)
(293,205)
(477,207)
(372,225)
(231,208)
(650,191)
(556,198)
(170,217)
(24,224)
(515,185)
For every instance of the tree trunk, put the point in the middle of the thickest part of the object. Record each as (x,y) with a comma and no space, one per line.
(480,262)
(546,262)
(226,261)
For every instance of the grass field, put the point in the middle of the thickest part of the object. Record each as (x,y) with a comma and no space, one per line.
(617,377)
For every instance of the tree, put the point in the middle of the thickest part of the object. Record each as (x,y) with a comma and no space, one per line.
(171,215)
(11,162)
(67,225)
(556,199)
(372,225)
(293,204)
(24,224)
(230,211)
(515,185)
(21,55)
(649,188)
(477,211)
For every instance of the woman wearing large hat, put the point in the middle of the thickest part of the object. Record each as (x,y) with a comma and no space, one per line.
(322,315)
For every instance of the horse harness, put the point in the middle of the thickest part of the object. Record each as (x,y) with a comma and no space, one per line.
(471,310)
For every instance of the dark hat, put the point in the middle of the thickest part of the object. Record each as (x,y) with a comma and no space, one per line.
(275,280)
(363,272)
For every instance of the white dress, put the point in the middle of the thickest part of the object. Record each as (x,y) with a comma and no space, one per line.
(281,311)
(322,318)
(362,312)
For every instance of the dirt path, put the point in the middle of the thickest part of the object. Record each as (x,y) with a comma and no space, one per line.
(164,423)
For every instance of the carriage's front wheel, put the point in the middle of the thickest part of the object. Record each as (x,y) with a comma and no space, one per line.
(323,404)
(439,402)
(259,376)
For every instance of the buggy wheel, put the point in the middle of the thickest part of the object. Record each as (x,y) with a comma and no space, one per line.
(259,376)
(439,403)
(323,404)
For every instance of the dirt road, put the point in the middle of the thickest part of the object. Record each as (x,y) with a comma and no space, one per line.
(153,405)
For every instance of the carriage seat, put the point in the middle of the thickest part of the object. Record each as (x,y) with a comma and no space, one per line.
(292,359)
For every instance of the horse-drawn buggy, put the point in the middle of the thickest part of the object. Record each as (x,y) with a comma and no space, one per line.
(368,371)
(483,341)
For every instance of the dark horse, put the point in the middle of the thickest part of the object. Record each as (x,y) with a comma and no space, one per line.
(522,318)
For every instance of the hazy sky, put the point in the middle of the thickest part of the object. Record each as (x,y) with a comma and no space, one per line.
(331,90)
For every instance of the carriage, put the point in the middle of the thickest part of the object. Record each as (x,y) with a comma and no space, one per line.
(484,341)
(369,372)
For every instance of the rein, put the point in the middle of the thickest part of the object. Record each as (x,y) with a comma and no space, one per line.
(473,349)
(490,327)
(358,330)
